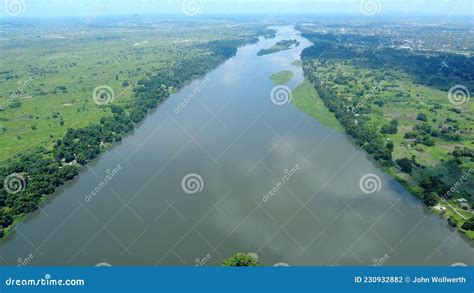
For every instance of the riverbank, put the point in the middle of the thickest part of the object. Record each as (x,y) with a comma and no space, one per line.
(241,145)
(29,177)
(380,109)
(306,98)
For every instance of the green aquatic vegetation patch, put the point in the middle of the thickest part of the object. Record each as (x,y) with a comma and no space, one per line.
(297,63)
(281,77)
(306,98)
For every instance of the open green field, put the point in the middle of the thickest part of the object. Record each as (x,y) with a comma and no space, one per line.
(306,98)
(409,109)
(281,77)
(77,92)
(401,99)
(48,73)
(428,137)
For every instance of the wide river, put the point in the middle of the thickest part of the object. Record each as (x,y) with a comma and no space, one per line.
(242,145)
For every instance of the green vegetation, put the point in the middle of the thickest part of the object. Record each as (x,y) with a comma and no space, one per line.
(297,63)
(280,46)
(240,260)
(51,125)
(395,104)
(282,77)
(268,33)
(50,69)
(431,199)
(307,100)
(469,225)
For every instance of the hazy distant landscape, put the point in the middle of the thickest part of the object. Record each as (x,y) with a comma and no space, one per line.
(187,138)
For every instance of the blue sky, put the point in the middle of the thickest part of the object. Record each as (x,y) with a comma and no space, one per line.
(115,7)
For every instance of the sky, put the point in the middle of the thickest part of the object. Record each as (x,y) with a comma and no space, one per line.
(35,8)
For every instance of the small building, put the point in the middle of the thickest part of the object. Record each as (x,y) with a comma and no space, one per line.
(461,200)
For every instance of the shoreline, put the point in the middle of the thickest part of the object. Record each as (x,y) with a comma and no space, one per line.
(78,167)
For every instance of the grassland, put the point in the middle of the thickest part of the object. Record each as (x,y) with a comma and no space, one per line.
(395,99)
(306,98)
(378,97)
(281,77)
(51,123)
(51,69)
(398,97)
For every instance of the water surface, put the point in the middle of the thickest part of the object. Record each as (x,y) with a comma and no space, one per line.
(242,145)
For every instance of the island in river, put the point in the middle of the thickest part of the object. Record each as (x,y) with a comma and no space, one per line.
(280,46)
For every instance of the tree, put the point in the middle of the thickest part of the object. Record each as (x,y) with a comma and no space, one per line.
(427,140)
(46,169)
(422,117)
(5,219)
(452,222)
(390,128)
(405,165)
(431,199)
(67,172)
(433,184)
(469,225)
(390,146)
(240,260)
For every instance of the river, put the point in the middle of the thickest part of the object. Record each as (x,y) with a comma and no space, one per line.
(242,145)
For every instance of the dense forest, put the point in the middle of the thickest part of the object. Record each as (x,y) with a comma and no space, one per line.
(440,70)
(39,172)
